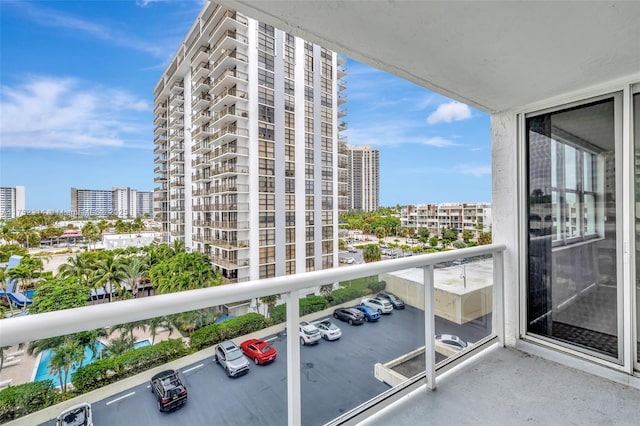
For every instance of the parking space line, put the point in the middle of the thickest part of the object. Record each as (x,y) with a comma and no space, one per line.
(122,397)
(192,368)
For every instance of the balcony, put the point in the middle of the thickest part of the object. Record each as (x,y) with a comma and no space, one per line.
(494,383)
(201,55)
(229,21)
(202,132)
(201,70)
(229,77)
(176,111)
(160,108)
(176,100)
(201,101)
(229,115)
(201,117)
(230,207)
(176,134)
(202,147)
(228,40)
(229,96)
(231,188)
(229,170)
(229,151)
(230,224)
(228,134)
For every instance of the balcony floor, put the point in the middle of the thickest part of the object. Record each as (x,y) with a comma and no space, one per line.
(505,386)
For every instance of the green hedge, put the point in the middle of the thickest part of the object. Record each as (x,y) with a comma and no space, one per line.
(376,286)
(106,371)
(18,401)
(234,327)
(346,294)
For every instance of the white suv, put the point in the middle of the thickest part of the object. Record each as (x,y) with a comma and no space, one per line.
(309,334)
(379,305)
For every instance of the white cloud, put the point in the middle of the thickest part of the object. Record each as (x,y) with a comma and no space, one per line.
(474,170)
(451,111)
(65,113)
(438,141)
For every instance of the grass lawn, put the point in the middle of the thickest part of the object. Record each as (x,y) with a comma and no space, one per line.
(360,283)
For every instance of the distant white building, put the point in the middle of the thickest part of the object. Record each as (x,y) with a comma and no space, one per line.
(120,202)
(139,239)
(474,217)
(12,202)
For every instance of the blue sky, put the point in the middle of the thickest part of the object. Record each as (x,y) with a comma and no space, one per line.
(76,101)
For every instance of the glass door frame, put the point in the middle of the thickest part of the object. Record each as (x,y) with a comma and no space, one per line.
(628,333)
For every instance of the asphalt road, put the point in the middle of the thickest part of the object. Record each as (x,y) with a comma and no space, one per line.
(336,377)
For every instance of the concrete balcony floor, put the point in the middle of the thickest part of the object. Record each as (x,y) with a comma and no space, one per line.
(505,386)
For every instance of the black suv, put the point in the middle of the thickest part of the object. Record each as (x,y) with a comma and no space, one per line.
(395,300)
(169,389)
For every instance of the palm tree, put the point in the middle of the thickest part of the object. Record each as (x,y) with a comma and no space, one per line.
(64,358)
(155,324)
(91,339)
(270,301)
(118,346)
(109,273)
(134,269)
(371,253)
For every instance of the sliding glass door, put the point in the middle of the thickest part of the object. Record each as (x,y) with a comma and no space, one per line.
(574,286)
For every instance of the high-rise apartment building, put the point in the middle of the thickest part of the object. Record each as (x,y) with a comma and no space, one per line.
(12,202)
(247,147)
(363,165)
(120,202)
(475,217)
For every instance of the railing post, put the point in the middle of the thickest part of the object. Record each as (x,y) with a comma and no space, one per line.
(293,359)
(498,296)
(429,329)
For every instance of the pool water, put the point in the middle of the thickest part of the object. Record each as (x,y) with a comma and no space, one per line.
(43,366)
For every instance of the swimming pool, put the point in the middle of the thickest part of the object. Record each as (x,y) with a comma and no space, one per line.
(42,373)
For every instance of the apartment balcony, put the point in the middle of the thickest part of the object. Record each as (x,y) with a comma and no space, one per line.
(201,55)
(177,146)
(229,115)
(229,170)
(231,189)
(160,179)
(160,140)
(202,147)
(176,112)
(227,263)
(176,100)
(201,70)
(230,225)
(160,197)
(159,170)
(160,119)
(177,170)
(177,183)
(230,244)
(229,21)
(200,162)
(229,96)
(230,207)
(342,99)
(229,134)
(160,130)
(160,108)
(202,132)
(229,40)
(177,196)
(201,101)
(228,152)
(201,118)
(228,78)
(161,148)
(201,177)
(176,134)
(202,207)
(204,239)
(160,159)
(202,223)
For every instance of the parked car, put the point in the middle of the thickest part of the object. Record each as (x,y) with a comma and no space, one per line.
(259,351)
(353,250)
(169,389)
(452,341)
(328,330)
(76,415)
(231,358)
(395,300)
(350,315)
(309,334)
(383,306)
(370,314)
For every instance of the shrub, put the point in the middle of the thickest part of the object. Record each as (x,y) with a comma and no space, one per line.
(312,304)
(18,401)
(279,314)
(238,326)
(377,286)
(105,371)
(346,294)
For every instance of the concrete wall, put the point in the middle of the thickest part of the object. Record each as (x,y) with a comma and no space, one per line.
(458,308)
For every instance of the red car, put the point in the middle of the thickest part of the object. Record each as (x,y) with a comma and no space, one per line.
(259,351)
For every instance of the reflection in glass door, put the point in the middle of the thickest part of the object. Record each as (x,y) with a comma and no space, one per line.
(573,291)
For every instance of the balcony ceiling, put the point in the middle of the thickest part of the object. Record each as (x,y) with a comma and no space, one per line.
(494,56)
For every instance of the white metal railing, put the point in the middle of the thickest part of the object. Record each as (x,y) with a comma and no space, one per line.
(34,327)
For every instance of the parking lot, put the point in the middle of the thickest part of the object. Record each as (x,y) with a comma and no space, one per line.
(336,377)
